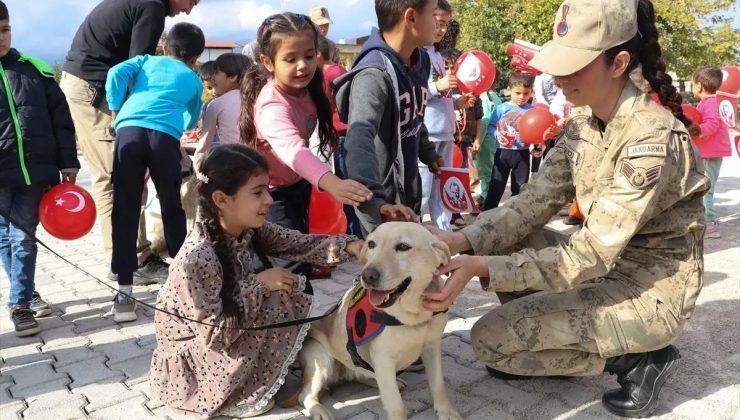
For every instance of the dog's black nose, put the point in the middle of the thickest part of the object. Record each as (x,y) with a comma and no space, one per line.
(370,276)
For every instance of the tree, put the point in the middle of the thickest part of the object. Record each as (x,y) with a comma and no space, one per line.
(694,33)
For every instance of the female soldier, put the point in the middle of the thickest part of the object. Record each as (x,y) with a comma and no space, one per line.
(619,292)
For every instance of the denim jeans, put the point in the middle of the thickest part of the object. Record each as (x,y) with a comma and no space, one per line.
(18,250)
(353,223)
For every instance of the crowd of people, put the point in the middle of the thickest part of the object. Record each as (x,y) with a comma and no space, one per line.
(286,118)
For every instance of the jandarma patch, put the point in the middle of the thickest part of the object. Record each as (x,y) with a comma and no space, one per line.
(573,156)
(646,149)
(563,25)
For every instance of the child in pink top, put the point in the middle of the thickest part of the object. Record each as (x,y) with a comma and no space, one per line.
(714,141)
(283,101)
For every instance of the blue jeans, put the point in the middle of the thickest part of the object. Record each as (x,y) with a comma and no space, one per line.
(17,249)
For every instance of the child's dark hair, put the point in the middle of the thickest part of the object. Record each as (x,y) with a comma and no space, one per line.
(269,35)
(450,55)
(227,167)
(232,64)
(207,71)
(521,79)
(328,50)
(710,78)
(444,5)
(390,12)
(185,41)
(4,15)
(449,40)
(645,50)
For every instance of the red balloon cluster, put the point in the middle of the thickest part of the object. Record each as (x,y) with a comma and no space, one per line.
(67,211)
(533,124)
(691,113)
(325,214)
(730,79)
(475,72)
(457,157)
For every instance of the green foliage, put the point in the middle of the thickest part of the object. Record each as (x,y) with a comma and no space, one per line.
(694,33)
(57,69)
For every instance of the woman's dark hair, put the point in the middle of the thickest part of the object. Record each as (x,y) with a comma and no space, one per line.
(232,64)
(269,36)
(227,168)
(645,50)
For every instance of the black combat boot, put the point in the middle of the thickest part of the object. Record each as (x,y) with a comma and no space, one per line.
(641,376)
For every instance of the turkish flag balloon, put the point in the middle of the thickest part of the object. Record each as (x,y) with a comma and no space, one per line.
(457,157)
(691,113)
(67,211)
(730,79)
(475,72)
(325,214)
(533,124)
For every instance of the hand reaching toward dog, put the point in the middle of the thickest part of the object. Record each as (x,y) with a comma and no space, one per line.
(353,248)
(456,241)
(277,279)
(397,213)
(461,269)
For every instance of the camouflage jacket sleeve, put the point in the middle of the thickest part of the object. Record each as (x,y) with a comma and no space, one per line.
(505,226)
(644,170)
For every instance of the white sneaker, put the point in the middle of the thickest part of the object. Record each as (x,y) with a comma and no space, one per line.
(124,308)
(242,411)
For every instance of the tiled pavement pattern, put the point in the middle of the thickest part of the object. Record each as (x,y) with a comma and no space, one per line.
(84,365)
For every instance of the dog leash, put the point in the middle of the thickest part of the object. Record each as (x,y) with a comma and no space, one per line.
(283,324)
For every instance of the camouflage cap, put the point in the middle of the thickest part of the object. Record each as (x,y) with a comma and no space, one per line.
(583,30)
(319,15)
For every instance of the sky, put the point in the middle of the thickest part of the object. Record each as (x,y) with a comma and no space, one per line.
(45,28)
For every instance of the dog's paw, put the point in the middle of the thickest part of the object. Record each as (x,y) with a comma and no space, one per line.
(320,412)
(448,413)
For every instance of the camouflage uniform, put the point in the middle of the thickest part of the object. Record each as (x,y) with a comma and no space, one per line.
(628,280)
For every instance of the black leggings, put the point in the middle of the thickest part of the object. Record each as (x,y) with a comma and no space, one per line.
(290,210)
(505,162)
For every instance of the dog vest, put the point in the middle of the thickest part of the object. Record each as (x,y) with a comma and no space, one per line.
(364,323)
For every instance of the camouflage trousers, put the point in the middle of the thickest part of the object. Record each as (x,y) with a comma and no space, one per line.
(573,332)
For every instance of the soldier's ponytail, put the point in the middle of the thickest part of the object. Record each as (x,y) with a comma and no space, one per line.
(646,51)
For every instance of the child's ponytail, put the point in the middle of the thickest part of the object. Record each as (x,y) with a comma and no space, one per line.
(646,51)
(254,79)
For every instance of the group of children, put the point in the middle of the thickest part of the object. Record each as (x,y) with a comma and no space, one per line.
(392,111)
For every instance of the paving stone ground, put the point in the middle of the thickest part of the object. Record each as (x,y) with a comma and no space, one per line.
(84,365)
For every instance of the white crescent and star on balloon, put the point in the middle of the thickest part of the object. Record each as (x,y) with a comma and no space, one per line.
(80,202)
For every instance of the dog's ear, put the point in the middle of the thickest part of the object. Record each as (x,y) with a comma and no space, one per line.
(441,251)
(363,253)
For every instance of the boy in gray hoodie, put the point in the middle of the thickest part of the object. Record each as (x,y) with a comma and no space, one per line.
(382,100)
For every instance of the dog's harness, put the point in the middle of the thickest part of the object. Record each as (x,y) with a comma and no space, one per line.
(365,322)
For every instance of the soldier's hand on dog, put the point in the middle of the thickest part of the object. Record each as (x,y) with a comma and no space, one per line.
(457,242)
(277,279)
(461,269)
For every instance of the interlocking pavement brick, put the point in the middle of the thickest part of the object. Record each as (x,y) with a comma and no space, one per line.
(492,410)
(12,410)
(106,336)
(62,337)
(89,372)
(463,402)
(459,376)
(512,398)
(126,410)
(120,350)
(60,404)
(459,350)
(93,322)
(32,377)
(103,395)
(64,356)
(136,369)
(22,354)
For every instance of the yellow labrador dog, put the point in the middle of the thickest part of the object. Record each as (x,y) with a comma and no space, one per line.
(381,326)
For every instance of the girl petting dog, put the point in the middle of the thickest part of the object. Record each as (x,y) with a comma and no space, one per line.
(216,368)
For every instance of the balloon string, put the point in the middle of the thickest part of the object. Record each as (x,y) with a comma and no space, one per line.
(283,324)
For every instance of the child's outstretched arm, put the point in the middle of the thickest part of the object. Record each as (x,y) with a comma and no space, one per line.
(119,78)
(289,244)
(194,106)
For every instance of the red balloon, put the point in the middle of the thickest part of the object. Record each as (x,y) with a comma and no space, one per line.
(475,72)
(730,79)
(67,211)
(541,105)
(457,157)
(533,124)
(691,113)
(325,214)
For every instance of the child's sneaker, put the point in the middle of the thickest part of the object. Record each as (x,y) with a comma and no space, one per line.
(24,321)
(712,230)
(38,305)
(124,308)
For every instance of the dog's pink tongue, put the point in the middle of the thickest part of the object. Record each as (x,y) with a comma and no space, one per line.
(377,297)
